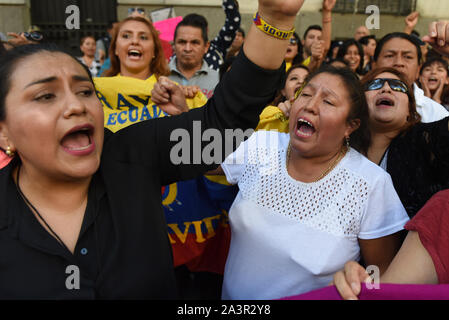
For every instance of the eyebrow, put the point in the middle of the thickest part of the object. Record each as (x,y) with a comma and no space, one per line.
(396,51)
(132,31)
(325,90)
(76,78)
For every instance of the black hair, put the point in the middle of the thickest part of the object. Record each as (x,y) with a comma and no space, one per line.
(415,33)
(365,40)
(11,58)
(360,139)
(279,96)
(338,60)
(412,39)
(312,27)
(2,49)
(334,44)
(242,32)
(196,21)
(344,49)
(433,60)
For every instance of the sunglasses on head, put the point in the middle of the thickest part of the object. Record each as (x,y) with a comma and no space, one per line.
(395,85)
(33,36)
(139,10)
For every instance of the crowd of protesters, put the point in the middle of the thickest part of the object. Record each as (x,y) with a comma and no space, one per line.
(350,152)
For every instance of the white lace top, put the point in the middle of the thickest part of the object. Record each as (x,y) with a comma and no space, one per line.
(290,237)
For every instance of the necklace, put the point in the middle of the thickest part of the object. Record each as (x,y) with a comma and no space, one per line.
(334,163)
(37,212)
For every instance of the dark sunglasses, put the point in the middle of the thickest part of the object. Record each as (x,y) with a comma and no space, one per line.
(139,10)
(293,41)
(395,85)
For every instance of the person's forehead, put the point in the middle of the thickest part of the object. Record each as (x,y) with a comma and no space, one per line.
(386,75)
(44,65)
(352,48)
(189,33)
(362,29)
(314,33)
(298,71)
(399,45)
(330,84)
(135,26)
(436,64)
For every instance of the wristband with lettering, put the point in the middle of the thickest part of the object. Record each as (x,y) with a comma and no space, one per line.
(271,30)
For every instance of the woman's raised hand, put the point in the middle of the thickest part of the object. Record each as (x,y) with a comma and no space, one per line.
(285,107)
(169,97)
(279,9)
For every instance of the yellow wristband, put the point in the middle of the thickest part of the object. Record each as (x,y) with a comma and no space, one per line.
(271,30)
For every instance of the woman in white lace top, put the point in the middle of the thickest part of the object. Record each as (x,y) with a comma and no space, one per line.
(309,202)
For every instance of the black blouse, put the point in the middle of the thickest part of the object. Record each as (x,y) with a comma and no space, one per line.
(418,162)
(123,251)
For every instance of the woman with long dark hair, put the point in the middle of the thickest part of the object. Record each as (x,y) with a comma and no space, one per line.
(81,206)
(352,52)
(415,154)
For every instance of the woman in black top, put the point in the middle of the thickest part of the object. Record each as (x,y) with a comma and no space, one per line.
(415,154)
(81,213)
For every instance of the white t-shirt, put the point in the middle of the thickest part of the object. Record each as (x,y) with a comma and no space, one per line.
(290,237)
(429,109)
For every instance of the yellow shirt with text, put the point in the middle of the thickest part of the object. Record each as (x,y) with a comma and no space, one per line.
(127,101)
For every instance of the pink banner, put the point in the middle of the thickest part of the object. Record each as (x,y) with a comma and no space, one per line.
(167,28)
(385,292)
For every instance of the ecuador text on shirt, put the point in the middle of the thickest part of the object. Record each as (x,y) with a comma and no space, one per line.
(127,101)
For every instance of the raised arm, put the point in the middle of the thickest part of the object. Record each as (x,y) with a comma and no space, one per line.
(179,143)
(411,21)
(232,23)
(328,5)
(438,37)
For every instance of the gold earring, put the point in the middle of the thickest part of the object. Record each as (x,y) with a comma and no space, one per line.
(9,153)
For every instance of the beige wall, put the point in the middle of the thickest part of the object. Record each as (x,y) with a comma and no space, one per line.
(344,25)
(14,15)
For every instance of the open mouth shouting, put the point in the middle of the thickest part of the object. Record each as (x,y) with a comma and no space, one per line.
(135,54)
(384,102)
(304,128)
(79,140)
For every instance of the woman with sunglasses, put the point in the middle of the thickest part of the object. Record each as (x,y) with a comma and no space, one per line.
(417,157)
(308,200)
(423,257)
(415,154)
